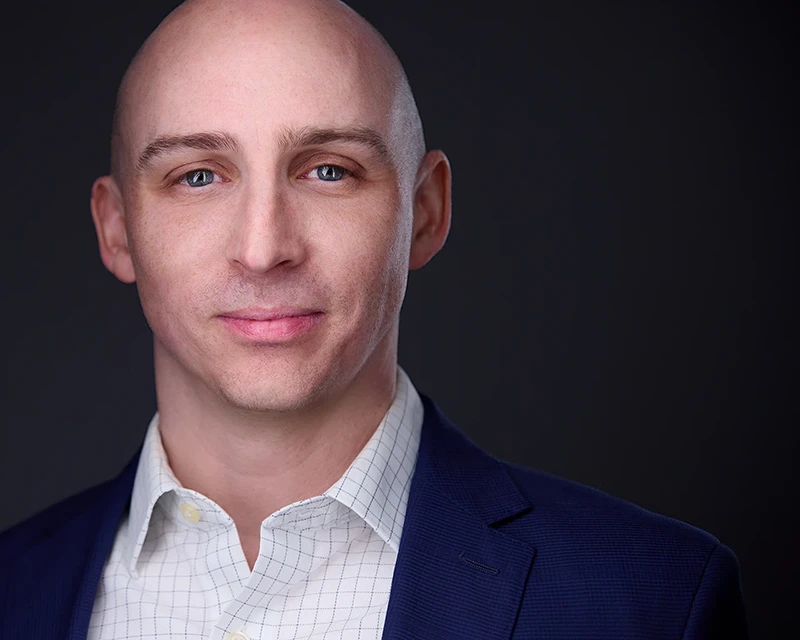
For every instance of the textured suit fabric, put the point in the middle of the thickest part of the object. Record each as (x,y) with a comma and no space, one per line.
(489,551)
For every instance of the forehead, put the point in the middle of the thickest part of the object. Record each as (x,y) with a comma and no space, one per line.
(255,81)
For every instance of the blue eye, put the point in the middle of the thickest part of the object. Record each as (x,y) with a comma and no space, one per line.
(330,172)
(198,177)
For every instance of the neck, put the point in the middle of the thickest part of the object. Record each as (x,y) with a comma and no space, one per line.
(252,465)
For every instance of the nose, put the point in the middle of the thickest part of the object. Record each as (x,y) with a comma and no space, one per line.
(266,232)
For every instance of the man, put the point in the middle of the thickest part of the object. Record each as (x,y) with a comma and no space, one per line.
(269,192)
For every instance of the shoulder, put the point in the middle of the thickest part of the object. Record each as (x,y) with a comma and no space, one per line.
(84,517)
(65,518)
(593,548)
(604,564)
(579,521)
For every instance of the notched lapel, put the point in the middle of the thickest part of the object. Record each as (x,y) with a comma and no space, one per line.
(456,577)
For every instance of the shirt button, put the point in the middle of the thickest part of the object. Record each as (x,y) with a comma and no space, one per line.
(236,636)
(191,514)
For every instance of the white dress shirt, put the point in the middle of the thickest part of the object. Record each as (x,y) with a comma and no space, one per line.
(324,566)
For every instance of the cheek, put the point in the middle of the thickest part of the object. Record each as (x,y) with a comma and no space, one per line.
(368,257)
(168,254)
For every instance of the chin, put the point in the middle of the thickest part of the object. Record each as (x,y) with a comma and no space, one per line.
(268,400)
(273,392)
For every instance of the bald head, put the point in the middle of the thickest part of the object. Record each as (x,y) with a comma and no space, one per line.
(280,44)
(268,155)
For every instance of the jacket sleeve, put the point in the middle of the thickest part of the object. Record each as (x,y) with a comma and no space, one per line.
(717,610)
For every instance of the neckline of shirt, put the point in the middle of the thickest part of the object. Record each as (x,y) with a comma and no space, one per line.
(374,487)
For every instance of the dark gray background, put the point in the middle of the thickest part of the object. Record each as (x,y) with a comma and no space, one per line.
(614,301)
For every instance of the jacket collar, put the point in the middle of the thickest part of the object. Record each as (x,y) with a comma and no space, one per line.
(455,570)
(50,586)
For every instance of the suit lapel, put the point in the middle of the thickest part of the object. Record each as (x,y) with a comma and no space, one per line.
(52,591)
(97,554)
(456,576)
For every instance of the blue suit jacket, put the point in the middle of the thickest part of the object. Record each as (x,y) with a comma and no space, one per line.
(489,551)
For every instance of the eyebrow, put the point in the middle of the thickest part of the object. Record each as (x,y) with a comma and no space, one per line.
(211,141)
(289,139)
(313,136)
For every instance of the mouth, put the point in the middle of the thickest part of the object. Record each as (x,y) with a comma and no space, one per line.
(271,326)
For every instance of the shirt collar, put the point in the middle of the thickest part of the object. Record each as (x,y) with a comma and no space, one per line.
(153,479)
(375,486)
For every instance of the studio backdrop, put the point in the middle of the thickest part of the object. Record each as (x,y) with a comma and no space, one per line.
(613,304)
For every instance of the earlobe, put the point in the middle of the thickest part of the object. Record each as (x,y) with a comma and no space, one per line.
(432,209)
(108,214)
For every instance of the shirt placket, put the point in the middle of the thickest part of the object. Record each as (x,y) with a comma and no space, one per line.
(288,553)
(218,564)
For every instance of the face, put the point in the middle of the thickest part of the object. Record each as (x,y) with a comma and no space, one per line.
(266,180)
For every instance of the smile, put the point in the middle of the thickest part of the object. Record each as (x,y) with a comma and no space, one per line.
(271,327)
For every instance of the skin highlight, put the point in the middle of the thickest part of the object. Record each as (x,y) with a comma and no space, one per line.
(257,102)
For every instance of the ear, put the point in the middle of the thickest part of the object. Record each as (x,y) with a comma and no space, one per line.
(431,208)
(108,214)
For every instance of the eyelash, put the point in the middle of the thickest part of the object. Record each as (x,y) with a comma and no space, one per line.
(347,173)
